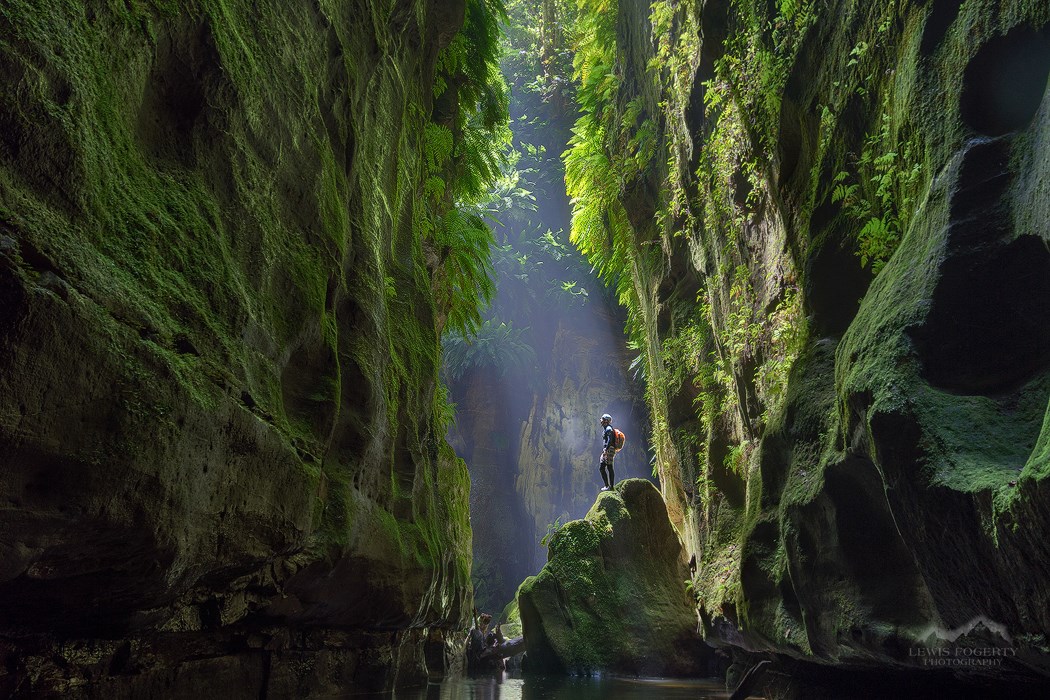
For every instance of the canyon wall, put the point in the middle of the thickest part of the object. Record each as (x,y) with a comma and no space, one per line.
(219,351)
(844,315)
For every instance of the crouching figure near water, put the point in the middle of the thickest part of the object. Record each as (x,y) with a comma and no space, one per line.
(486,649)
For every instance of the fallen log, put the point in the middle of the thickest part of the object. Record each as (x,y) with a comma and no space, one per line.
(751,681)
(505,649)
(491,658)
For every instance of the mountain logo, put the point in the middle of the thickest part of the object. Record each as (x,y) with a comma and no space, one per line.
(963,630)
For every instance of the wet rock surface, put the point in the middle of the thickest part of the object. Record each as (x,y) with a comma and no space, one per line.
(892,491)
(612,596)
(220,462)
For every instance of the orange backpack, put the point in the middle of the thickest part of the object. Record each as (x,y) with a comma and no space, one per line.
(618,439)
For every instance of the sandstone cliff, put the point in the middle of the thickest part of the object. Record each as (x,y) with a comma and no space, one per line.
(845,321)
(219,351)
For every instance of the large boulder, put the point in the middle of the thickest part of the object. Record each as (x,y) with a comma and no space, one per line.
(612,596)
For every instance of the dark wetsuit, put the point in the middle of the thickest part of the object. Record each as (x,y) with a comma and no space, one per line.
(608,454)
(483,651)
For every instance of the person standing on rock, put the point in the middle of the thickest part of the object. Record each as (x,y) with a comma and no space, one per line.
(608,452)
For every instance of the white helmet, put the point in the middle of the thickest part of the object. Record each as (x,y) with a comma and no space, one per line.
(606,417)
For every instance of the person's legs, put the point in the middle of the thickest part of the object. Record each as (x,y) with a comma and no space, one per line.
(607,459)
(606,462)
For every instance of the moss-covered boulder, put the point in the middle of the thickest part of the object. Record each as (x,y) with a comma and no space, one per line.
(612,596)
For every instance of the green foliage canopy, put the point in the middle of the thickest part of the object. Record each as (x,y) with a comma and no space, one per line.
(464,148)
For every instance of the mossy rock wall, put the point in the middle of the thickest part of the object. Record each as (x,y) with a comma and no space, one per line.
(218,352)
(610,597)
(850,414)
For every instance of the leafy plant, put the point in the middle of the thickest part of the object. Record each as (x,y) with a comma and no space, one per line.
(691,590)
(593,176)
(552,530)
(444,409)
(879,197)
(465,282)
(538,57)
(787,332)
(495,345)
(465,144)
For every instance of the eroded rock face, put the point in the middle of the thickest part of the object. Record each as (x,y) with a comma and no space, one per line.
(216,421)
(889,494)
(612,596)
(922,516)
(561,441)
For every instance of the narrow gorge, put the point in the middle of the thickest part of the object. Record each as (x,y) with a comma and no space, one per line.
(309,311)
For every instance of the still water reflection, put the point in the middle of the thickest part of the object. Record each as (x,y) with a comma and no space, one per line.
(539,688)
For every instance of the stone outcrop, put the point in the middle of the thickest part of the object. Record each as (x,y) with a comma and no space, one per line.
(870,212)
(611,597)
(557,473)
(532,442)
(218,351)
(531,435)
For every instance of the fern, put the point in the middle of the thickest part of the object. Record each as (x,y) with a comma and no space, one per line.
(437,146)
(593,178)
(878,239)
(465,242)
(879,199)
(494,345)
(464,148)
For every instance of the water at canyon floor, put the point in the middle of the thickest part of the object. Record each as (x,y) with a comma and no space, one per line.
(547,688)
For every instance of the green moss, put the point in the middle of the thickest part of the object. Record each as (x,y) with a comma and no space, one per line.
(240,243)
(608,512)
(510,619)
(154,237)
(576,572)
(974,443)
(610,596)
